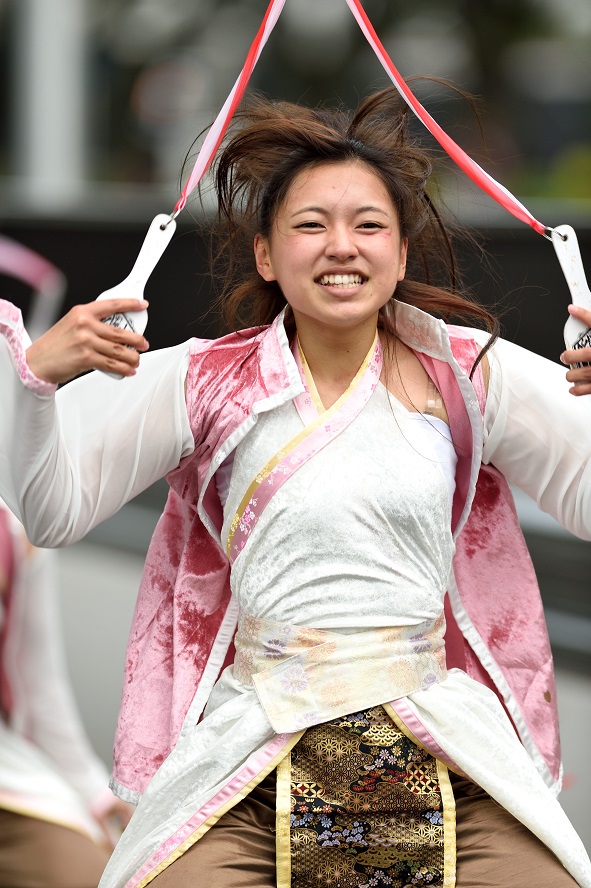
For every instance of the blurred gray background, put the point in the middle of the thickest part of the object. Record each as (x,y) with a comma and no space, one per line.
(100,103)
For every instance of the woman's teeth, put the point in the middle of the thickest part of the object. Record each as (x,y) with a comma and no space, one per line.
(341,280)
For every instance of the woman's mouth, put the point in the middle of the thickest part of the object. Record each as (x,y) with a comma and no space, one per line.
(341,280)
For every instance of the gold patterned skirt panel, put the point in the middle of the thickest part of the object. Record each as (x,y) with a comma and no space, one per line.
(361,805)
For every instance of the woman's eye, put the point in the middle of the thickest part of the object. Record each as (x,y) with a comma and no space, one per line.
(310,225)
(370,225)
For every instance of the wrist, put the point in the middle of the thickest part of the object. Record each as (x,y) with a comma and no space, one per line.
(13,331)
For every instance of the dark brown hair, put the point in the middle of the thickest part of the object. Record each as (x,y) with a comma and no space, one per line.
(270,143)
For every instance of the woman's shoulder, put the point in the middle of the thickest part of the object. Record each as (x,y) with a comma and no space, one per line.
(240,341)
(473,334)
(218,365)
(467,344)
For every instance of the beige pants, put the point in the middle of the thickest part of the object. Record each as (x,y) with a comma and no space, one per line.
(493,849)
(37,854)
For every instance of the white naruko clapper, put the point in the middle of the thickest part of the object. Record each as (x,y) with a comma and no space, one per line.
(157,239)
(567,249)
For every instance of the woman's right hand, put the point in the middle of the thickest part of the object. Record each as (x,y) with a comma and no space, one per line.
(579,376)
(80,341)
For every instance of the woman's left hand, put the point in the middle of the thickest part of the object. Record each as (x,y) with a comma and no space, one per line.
(580,375)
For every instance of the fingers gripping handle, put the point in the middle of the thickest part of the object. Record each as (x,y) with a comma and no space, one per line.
(576,333)
(157,239)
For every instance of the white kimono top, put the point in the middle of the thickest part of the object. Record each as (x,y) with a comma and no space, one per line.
(136,431)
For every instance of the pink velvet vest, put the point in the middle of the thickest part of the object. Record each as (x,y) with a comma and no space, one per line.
(181,636)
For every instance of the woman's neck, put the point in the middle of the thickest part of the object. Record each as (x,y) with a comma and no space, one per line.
(334,356)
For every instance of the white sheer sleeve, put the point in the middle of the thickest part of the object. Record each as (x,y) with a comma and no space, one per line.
(70,460)
(538,435)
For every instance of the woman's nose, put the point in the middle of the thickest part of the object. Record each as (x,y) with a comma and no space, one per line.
(341,243)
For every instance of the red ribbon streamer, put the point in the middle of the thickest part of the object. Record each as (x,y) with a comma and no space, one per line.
(219,128)
(457,154)
(222,122)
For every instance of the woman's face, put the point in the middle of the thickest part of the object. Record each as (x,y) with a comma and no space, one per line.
(335,247)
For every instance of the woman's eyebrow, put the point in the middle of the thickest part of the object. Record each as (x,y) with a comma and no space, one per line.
(323,211)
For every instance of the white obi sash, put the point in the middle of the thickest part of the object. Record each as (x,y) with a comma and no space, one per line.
(307,676)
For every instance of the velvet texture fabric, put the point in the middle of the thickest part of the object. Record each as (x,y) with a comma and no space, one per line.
(185,587)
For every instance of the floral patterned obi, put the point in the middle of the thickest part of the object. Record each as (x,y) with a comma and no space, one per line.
(307,676)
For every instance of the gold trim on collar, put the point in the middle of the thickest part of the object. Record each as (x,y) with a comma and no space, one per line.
(321,419)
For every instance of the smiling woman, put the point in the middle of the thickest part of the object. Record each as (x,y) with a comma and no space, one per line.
(277,143)
(332,668)
(337,261)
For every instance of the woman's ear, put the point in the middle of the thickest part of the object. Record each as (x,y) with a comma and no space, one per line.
(262,257)
(403,255)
